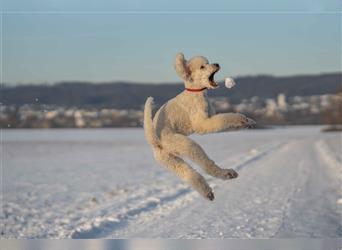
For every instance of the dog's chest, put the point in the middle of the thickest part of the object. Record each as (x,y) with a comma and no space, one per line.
(179,113)
(196,104)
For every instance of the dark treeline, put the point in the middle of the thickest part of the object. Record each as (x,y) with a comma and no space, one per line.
(123,95)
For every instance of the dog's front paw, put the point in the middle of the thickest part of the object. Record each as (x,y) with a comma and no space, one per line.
(246,122)
(210,196)
(239,121)
(251,123)
(229,174)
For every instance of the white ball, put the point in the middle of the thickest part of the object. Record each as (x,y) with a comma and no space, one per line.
(229,82)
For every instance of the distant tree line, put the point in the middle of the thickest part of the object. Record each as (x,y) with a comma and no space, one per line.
(124,95)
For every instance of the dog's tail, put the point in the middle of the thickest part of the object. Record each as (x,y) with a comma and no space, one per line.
(150,132)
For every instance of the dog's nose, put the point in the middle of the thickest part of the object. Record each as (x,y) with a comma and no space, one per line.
(217,65)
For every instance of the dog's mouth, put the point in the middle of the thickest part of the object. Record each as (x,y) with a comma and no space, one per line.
(211,79)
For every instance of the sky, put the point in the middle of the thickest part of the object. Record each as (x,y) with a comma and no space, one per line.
(47,41)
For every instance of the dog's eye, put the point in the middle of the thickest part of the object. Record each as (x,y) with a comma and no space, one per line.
(202,67)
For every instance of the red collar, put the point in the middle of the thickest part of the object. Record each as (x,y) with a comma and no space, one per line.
(196,90)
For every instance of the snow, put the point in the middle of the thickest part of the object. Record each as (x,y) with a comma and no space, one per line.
(104,183)
(229,82)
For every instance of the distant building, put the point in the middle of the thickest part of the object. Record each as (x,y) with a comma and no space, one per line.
(281,101)
(79,121)
(271,107)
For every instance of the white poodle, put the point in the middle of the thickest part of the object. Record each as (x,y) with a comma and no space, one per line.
(187,113)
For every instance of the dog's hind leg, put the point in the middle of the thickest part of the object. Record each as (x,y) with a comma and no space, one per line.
(184,146)
(185,172)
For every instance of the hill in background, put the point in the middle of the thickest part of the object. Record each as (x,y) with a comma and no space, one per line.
(124,95)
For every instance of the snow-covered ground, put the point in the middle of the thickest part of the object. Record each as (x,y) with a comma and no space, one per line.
(105,184)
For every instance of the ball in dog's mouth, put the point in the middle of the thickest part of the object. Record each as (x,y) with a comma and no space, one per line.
(211,80)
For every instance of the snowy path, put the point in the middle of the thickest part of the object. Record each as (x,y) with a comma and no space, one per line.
(289,185)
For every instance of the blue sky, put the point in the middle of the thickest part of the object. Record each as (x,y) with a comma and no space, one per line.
(51,41)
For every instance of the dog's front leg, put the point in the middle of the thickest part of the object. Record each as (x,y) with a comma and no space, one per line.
(221,122)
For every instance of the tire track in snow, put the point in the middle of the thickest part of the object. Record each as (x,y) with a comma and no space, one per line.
(327,156)
(311,210)
(243,206)
(300,182)
(101,227)
(333,164)
(151,206)
(258,156)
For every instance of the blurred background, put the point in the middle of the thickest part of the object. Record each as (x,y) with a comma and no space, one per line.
(64,66)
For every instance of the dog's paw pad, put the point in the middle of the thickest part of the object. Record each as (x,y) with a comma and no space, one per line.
(210,196)
(229,174)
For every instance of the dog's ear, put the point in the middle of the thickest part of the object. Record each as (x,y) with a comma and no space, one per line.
(181,68)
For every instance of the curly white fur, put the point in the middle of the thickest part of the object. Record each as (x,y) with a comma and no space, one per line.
(187,113)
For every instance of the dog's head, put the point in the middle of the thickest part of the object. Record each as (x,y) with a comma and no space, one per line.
(196,72)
